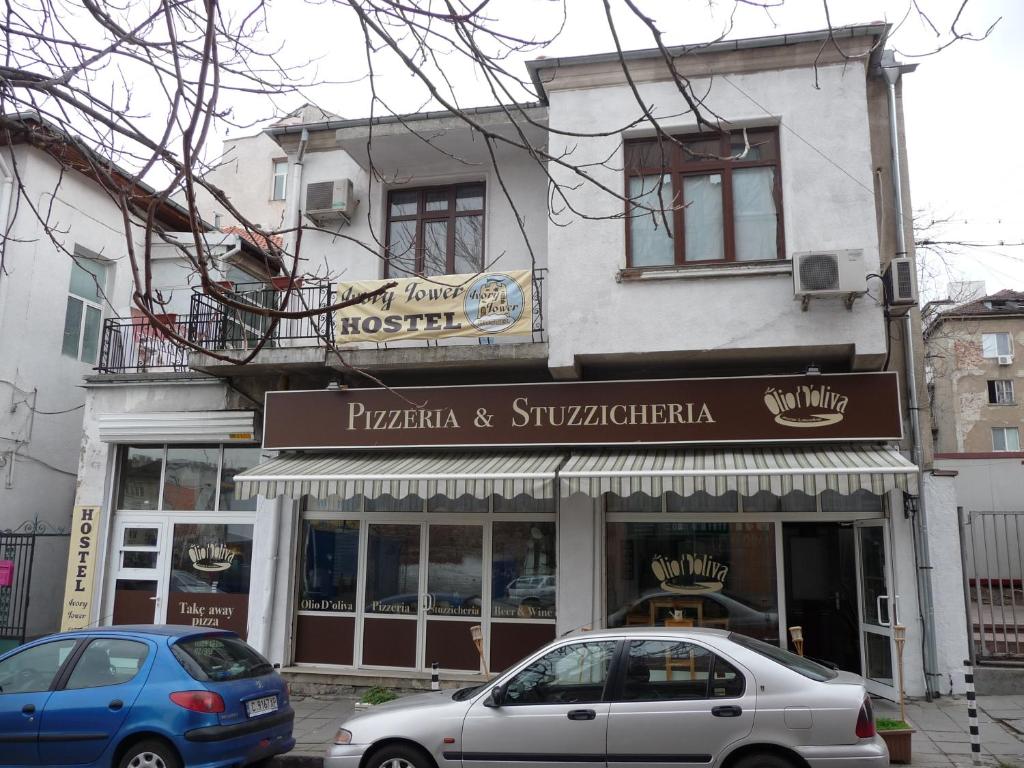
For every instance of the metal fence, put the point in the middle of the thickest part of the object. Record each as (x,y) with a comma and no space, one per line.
(993,545)
(17,551)
(216,325)
(135,344)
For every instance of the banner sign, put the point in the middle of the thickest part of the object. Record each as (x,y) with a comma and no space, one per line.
(848,406)
(85,534)
(438,307)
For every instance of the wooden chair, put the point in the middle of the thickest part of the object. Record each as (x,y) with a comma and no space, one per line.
(673,664)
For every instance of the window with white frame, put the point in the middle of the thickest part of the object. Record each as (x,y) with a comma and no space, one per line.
(195,478)
(1000,392)
(1005,439)
(280,183)
(996,344)
(83,318)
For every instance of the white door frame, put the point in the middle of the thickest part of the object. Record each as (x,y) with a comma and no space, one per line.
(877,619)
(157,573)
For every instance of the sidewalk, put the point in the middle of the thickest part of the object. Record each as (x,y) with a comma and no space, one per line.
(941,738)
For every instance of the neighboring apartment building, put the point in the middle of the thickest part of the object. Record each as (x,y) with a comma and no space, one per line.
(56,288)
(253,172)
(608,426)
(976,372)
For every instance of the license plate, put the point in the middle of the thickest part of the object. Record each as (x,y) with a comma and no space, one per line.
(261,706)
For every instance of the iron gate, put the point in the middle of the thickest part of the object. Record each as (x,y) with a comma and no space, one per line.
(17,551)
(993,544)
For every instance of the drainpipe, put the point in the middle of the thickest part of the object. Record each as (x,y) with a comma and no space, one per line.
(892,72)
(293,194)
(270,585)
(6,191)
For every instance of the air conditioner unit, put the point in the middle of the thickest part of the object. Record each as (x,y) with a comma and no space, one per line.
(1005,359)
(900,282)
(829,273)
(330,200)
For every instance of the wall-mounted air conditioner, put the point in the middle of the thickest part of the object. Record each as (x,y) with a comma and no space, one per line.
(829,273)
(900,282)
(1005,359)
(330,200)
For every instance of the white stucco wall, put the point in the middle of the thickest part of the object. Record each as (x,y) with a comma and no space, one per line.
(828,203)
(245,173)
(356,253)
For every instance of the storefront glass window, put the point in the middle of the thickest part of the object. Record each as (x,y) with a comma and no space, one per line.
(523,570)
(858,501)
(455,570)
(465,504)
(190,481)
(393,569)
(794,501)
(140,477)
(209,578)
(699,501)
(705,574)
(522,504)
(387,503)
(637,502)
(330,565)
(236,460)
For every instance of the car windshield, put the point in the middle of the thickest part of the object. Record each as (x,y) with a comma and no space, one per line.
(220,658)
(798,664)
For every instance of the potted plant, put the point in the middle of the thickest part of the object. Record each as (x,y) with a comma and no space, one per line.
(896,734)
(375,695)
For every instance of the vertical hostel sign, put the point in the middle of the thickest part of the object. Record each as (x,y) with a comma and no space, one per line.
(437,307)
(85,527)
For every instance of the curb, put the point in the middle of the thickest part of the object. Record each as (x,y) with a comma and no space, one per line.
(296,760)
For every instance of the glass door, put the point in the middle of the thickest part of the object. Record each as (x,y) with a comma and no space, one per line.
(452,602)
(392,597)
(139,597)
(879,607)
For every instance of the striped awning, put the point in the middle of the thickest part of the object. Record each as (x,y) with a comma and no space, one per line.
(844,469)
(399,475)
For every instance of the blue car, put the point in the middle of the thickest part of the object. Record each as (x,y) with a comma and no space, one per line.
(141,697)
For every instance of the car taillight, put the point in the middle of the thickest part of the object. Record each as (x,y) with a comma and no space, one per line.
(199,701)
(865,721)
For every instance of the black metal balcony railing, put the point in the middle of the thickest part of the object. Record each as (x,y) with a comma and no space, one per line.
(218,326)
(137,345)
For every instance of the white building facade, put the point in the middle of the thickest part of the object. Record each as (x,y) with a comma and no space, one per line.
(672,436)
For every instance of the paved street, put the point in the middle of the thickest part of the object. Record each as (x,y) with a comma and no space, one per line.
(941,738)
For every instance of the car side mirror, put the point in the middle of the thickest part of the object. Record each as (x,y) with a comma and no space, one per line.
(496,698)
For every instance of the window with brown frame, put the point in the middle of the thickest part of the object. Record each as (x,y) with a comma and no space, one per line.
(709,199)
(435,231)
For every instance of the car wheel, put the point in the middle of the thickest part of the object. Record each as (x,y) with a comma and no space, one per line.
(763,760)
(398,756)
(150,754)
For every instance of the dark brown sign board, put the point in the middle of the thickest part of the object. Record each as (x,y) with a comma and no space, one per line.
(848,406)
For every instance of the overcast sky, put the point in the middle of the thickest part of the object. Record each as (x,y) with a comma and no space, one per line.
(956,101)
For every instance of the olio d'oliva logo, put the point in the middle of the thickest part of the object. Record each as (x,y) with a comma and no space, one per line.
(689,574)
(806,406)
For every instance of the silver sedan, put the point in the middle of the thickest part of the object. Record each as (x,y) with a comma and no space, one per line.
(623,698)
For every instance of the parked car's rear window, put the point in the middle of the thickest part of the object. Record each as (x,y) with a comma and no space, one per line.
(219,658)
(798,664)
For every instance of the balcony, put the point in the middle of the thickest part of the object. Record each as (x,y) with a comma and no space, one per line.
(135,345)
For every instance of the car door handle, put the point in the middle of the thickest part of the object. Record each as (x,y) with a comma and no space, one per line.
(581,714)
(115,705)
(29,709)
(727,711)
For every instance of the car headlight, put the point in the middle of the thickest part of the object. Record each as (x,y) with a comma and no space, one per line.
(343,736)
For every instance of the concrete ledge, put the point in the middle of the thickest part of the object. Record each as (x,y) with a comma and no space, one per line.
(999,681)
(274,360)
(527,354)
(313,681)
